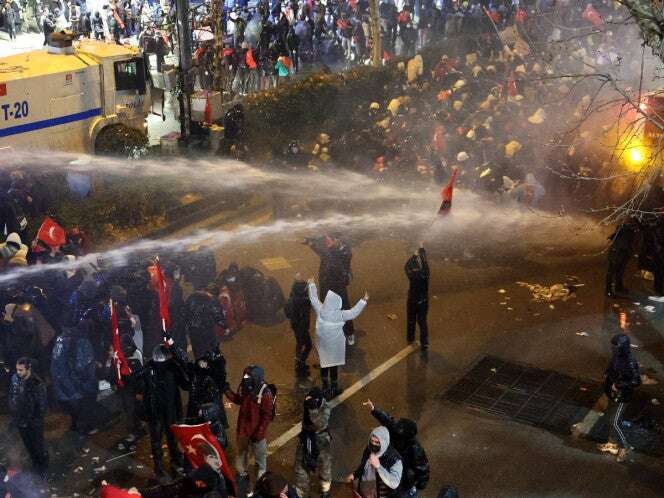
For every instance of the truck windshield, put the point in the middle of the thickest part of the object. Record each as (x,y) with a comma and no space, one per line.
(130,75)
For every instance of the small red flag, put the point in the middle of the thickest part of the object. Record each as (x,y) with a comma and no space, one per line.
(446,194)
(108,491)
(201,446)
(119,360)
(163,298)
(51,234)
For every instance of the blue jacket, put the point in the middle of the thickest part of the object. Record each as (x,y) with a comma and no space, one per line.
(73,364)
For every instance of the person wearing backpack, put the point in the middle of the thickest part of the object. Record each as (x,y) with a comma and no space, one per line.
(403,437)
(298,311)
(257,401)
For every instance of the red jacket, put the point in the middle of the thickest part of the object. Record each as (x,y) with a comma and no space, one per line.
(254,417)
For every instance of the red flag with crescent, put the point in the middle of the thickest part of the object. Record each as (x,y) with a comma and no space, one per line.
(447,192)
(119,360)
(163,297)
(51,234)
(200,446)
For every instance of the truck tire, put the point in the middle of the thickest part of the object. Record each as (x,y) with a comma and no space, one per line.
(120,140)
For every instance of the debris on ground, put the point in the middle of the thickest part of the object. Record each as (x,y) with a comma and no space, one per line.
(392,316)
(649,308)
(554,292)
(655,402)
(646,380)
(583,334)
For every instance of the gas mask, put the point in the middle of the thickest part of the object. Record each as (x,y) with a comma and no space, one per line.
(247,383)
(314,399)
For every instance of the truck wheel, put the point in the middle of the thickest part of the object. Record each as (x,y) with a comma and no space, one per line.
(120,140)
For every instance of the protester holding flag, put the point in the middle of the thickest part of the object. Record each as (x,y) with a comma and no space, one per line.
(162,378)
(417,271)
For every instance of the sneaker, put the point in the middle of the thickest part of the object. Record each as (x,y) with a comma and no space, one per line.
(608,448)
(657,299)
(351,340)
(622,455)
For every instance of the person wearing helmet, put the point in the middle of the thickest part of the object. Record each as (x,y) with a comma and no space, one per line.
(162,380)
(313,452)
(620,379)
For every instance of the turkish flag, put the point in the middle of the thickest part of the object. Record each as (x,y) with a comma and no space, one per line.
(446,194)
(108,491)
(163,288)
(201,446)
(51,234)
(119,360)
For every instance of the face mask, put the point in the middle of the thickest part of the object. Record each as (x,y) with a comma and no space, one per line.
(247,384)
(311,403)
(374,448)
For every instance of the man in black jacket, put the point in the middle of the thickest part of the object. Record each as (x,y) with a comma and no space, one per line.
(200,314)
(28,404)
(162,379)
(334,272)
(298,311)
(417,271)
(620,379)
(403,438)
(620,251)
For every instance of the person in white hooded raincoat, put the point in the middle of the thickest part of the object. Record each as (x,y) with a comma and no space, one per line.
(330,338)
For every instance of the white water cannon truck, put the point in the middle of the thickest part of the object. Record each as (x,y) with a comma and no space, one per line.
(71,95)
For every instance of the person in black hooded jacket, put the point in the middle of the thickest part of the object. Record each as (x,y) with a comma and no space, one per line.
(200,314)
(202,387)
(298,311)
(620,379)
(403,438)
(162,378)
(417,271)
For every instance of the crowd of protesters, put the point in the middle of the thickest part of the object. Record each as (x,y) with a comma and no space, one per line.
(57,338)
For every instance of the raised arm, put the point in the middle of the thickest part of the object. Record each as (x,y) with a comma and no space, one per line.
(313,296)
(354,312)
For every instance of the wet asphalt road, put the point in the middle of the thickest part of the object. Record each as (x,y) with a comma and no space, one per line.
(469,318)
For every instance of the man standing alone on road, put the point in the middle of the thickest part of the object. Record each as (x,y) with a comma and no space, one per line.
(28,404)
(620,379)
(417,271)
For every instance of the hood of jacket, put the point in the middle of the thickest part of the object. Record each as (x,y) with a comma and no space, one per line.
(257,374)
(383,436)
(332,303)
(405,429)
